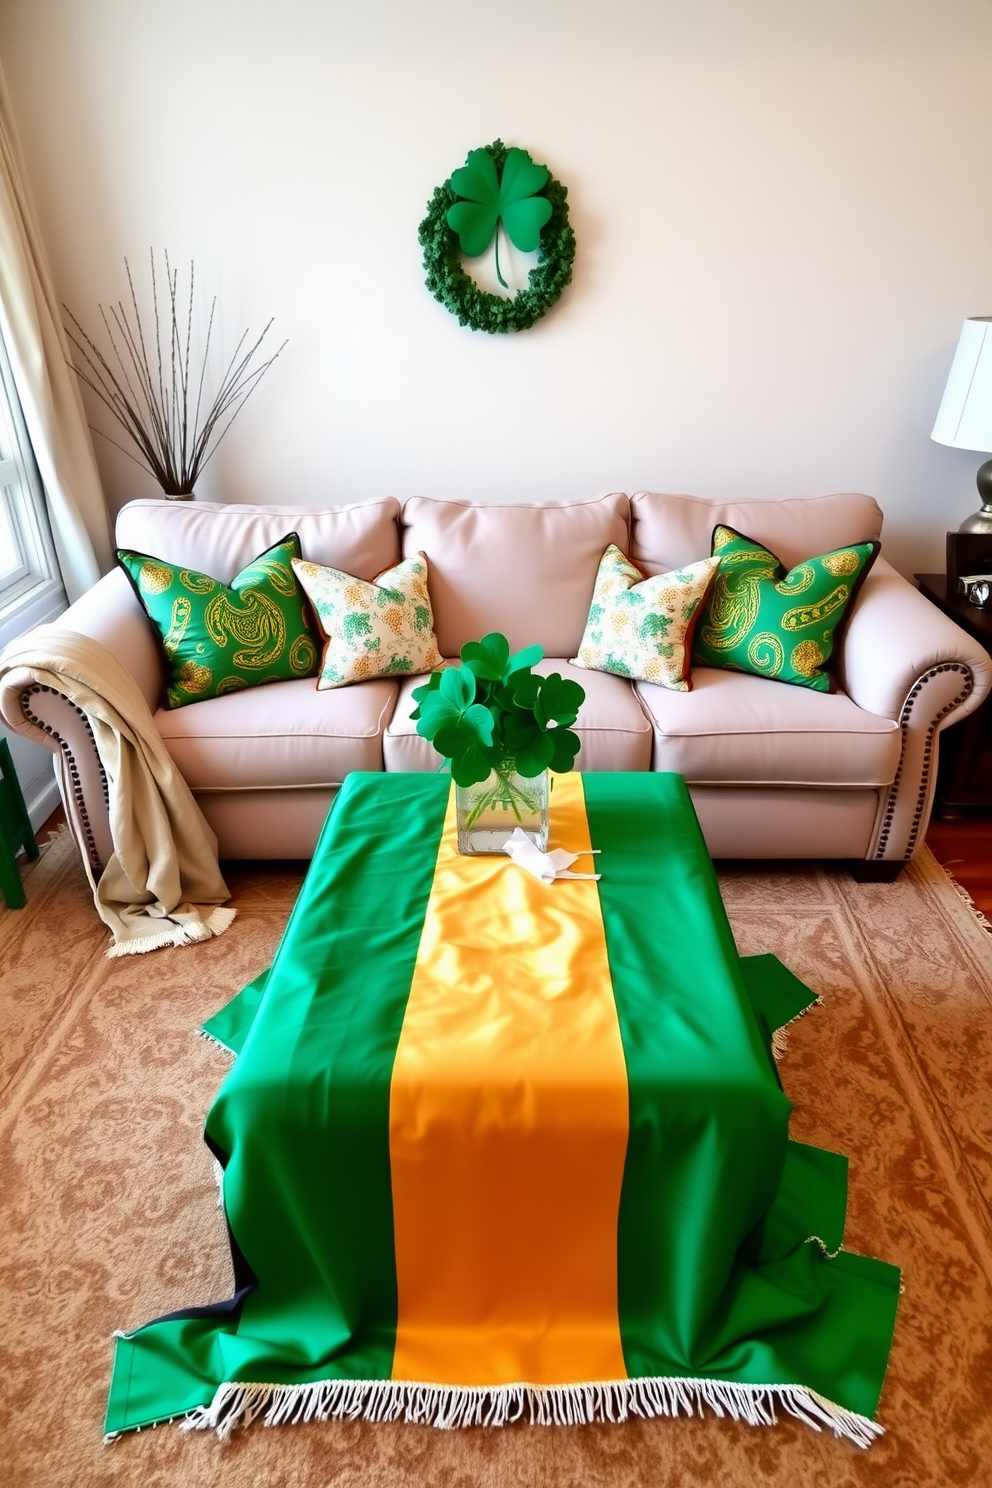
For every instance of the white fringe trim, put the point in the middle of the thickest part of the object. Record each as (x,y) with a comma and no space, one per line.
(831,1255)
(449,1406)
(780,1036)
(194,931)
(221,919)
(216,1042)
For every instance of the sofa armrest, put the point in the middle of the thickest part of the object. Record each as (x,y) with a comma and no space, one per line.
(111,614)
(895,638)
(902,658)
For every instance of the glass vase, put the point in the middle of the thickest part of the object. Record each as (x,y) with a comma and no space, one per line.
(490,812)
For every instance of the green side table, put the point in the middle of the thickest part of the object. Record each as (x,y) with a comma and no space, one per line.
(15,831)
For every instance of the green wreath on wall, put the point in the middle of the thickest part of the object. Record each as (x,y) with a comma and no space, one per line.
(497,187)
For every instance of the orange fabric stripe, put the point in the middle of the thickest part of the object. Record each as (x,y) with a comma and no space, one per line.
(508,1127)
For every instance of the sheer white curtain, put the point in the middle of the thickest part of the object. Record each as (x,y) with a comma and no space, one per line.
(47,387)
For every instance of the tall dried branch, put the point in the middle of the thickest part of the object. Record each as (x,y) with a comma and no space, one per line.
(146,383)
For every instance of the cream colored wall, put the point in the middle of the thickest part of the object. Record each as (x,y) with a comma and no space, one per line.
(782,211)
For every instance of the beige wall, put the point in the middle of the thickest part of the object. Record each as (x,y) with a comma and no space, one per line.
(782,207)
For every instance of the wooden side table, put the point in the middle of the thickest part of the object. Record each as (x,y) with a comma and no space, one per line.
(964,776)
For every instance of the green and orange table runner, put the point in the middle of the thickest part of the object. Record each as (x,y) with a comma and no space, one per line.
(494,1147)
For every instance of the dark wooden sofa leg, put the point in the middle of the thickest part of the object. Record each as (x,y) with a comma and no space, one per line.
(868,870)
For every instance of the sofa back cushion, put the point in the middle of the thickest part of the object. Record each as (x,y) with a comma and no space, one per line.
(528,571)
(671,531)
(220,540)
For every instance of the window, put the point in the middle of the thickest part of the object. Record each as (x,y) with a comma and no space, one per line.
(30,588)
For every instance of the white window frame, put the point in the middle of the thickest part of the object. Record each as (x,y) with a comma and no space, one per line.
(31,592)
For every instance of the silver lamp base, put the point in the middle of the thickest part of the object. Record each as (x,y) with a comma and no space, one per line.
(981,521)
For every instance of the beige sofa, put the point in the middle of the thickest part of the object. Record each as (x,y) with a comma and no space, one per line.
(775,771)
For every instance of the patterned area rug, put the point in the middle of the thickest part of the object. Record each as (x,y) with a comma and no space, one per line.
(108,1211)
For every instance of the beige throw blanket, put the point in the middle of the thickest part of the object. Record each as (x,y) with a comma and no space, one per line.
(162,885)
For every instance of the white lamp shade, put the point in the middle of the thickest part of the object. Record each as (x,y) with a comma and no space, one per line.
(964,419)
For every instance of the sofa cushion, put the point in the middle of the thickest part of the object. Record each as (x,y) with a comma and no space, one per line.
(285,735)
(219,539)
(527,571)
(371,630)
(734,729)
(670,531)
(613,728)
(640,627)
(219,638)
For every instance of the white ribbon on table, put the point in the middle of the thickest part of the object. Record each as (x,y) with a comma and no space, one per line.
(545,866)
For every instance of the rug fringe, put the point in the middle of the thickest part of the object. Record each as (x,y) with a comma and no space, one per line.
(447,1406)
(963,894)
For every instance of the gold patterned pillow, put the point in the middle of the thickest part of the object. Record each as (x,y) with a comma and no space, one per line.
(381,629)
(222,638)
(762,620)
(642,628)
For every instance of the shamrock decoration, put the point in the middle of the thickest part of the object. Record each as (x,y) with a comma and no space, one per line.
(493,714)
(446,276)
(510,198)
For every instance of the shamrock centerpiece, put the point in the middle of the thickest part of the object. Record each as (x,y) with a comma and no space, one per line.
(502,728)
(491,198)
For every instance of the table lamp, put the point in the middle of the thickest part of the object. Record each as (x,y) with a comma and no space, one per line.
(964,419)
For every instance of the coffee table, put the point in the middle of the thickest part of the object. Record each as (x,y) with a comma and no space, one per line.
(492,1146)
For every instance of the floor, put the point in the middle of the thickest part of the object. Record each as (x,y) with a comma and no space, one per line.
(964,847)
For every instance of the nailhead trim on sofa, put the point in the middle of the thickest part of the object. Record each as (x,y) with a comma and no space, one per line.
(909,705)
(73,768)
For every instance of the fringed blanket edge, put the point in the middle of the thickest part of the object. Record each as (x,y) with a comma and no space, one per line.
(448,1407)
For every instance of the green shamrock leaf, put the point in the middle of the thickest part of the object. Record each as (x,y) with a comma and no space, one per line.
(487,658)
(565,746)
(471,766)
(452,706)
(559,701)
(489,200)
(419,693)
(523,660)
(523,690)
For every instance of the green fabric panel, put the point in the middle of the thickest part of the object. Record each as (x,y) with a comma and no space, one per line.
(232,1024)
(775,994)
(712,1191)
(811,1203)
(219,638)
(309,1209)
(760,619)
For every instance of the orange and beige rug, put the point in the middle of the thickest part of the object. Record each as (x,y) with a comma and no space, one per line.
(108,1212)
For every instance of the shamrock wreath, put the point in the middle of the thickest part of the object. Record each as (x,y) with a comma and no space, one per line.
(497,186)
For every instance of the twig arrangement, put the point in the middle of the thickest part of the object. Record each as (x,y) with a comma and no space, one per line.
(155,393)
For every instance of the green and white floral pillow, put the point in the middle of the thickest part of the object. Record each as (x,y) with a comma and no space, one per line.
(642,628)
(380,629)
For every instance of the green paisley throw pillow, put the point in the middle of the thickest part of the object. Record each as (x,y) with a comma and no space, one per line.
(221,638)
(763,620)
(642,627)
(382,629)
